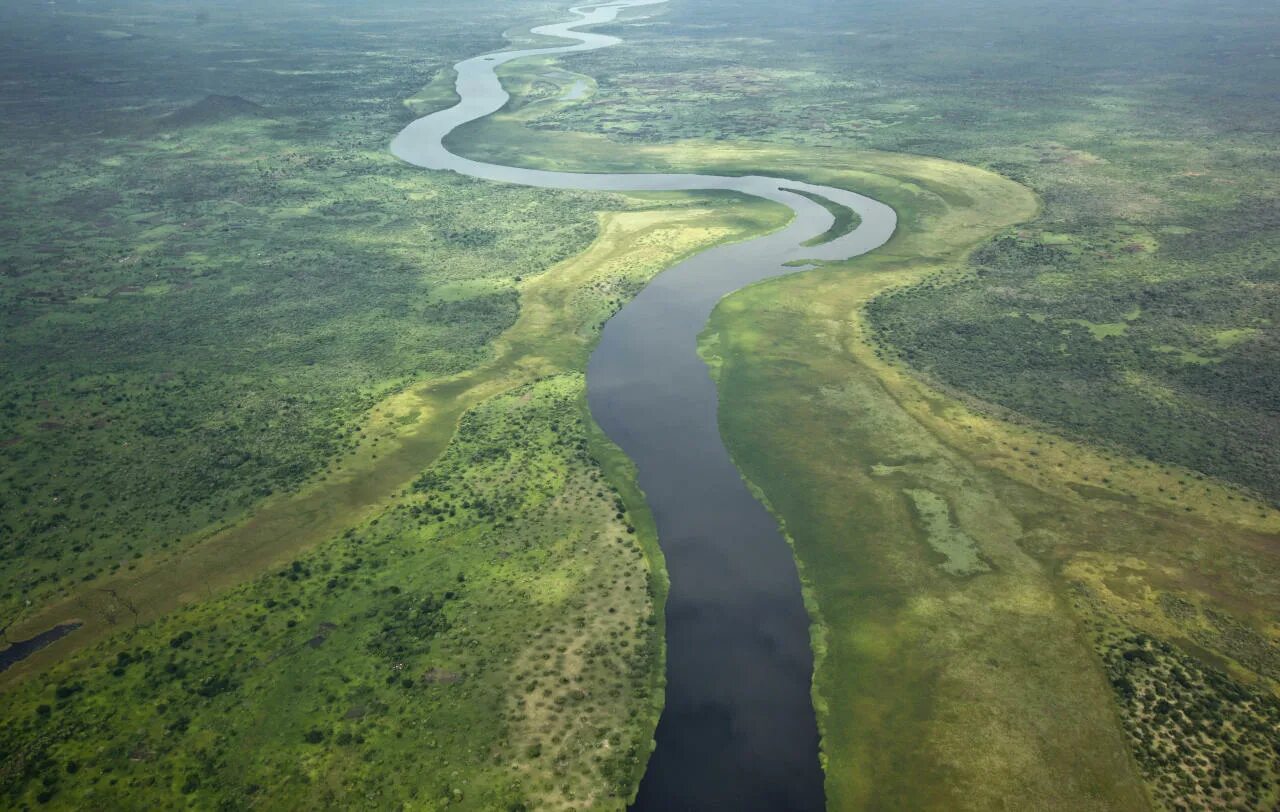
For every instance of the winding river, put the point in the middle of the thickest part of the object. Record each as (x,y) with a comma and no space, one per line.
(738,729)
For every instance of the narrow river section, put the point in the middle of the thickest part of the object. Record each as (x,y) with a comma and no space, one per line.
(738,730)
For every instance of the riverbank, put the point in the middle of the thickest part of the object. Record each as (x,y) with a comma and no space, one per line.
(975,577)
(734,601)
(552,563)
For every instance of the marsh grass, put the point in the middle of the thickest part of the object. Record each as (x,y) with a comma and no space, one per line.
(445,345)
(961,676)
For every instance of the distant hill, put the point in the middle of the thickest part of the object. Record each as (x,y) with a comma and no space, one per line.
(211,109)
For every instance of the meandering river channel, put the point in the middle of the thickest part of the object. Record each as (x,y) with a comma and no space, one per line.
(738,730)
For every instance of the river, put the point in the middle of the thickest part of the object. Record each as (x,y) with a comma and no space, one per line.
(738,730)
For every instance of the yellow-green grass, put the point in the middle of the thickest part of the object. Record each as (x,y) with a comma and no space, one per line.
(971,688)
(491,639)
(437,94)
(846,220)
(561,311)
(411,428)
(907,716)
(981,688)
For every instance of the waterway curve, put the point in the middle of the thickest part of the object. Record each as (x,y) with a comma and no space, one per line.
(738,729)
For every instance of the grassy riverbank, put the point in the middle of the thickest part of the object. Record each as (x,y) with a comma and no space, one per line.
(576,587)
(298,431)
(1000,600)
(996,602)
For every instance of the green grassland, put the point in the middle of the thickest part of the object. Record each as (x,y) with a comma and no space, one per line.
(368,387)
(945,686)
(1161,343)
(238,362)
(491,639)
(203,294)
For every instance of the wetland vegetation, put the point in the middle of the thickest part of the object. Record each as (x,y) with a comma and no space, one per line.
(498,623)
(202,297)
(232,303)
(299,434)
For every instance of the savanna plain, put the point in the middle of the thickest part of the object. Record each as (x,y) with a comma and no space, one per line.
(295,434)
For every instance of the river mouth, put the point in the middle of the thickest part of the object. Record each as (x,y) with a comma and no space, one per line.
(738,730)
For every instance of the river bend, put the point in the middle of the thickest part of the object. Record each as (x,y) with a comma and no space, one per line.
(738,729)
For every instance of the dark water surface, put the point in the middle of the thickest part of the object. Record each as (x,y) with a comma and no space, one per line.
(738,731)
(21,650)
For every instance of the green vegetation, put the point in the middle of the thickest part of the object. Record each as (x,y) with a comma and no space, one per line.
(141,414)
(952,543)
(943,658)
(202,295)
(1132,309)
(1042,328)
(499,621)
(846,219)
(286,328)
(1202,739)
(942,686)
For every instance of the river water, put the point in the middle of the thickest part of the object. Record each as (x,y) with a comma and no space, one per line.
(738,730)
(21,650)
